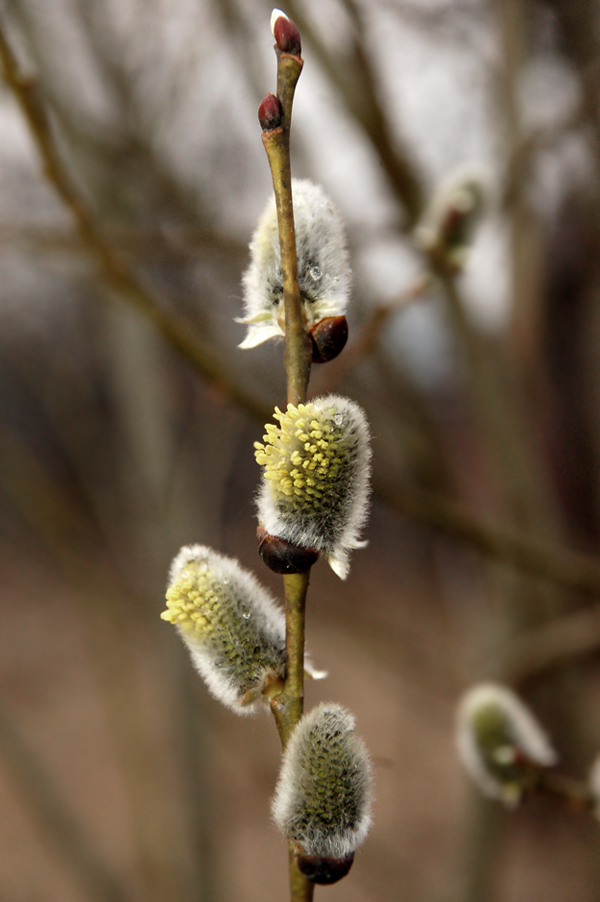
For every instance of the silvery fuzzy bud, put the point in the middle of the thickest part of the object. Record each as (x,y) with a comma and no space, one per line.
(322,801)
(448,225)
(323,265)
(316,477)
(501,744)
(232,627)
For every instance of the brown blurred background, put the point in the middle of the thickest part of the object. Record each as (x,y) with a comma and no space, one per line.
(120,779)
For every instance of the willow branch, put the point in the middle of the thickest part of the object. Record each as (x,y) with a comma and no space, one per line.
(576,794)
(289,704)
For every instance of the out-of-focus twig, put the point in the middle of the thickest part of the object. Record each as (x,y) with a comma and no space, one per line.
(114,270)
(357,85)
(498,541)
(552,645)
(371,330)
(61,828)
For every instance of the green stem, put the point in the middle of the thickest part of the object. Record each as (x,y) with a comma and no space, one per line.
(298,353)
(287,707)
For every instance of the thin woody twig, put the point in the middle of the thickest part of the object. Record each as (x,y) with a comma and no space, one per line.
(366,341)
(576,794)
(288,706)
(552,645)
(497,540)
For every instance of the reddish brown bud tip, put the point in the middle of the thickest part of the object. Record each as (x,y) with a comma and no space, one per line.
(286,34)
(329,337)
(324,870)
(283,557)
(269,113)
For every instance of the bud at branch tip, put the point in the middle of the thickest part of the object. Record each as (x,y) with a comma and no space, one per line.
(286,33)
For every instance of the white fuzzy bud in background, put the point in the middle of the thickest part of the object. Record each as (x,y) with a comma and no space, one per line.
(324,276)
(322,802)
(594,786)
(448,225)
(232,627)
(500,742)
(316,477)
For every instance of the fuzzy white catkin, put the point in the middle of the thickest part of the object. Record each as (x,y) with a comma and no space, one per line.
(232,627)
(322,801)
(499,740)
(594,785)
(324,276)
(449,222)
(315,488)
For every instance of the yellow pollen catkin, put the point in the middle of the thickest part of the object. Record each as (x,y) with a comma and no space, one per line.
(306,441)
(192,603)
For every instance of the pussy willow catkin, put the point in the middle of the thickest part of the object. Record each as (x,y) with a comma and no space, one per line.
(324,276)
(501,743)
(322,802)
(232,627)
(316,473)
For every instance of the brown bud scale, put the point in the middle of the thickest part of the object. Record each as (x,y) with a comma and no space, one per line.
(283,557)
(324,871)
(328,337)
(269,112)
(287,36)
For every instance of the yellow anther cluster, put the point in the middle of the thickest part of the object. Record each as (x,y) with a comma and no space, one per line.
(194,601)
(303,455)
(233,629)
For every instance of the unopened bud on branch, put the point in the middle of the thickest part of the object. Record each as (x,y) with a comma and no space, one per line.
(269,112)
(328,337)
(285,32)
(283,557)
(322,802)
(449,223)
(316,477)
(232,627)
(501,744)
